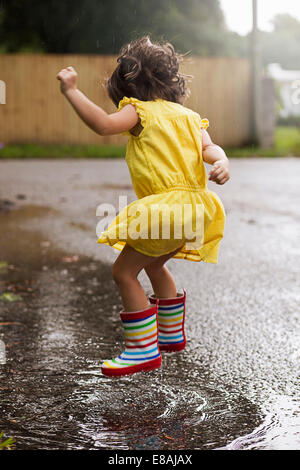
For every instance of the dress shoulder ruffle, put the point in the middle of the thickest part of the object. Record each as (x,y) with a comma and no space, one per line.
(140,109)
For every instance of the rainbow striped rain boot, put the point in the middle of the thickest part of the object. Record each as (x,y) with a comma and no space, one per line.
(171,315)
(141,348)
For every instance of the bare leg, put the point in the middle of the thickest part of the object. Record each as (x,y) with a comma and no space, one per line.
(162,281)
(160,277)
(125,271)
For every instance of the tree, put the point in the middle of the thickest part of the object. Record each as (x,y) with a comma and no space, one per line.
(282,44)
(101,26)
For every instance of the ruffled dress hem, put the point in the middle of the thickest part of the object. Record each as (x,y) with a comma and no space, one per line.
(207,258)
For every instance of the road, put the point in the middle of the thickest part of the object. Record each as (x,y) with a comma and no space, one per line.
(234,387)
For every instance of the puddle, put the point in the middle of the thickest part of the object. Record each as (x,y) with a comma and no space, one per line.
(63,323)
(14,213)
(53,395)
(234,387)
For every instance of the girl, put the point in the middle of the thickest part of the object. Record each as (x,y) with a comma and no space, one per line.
(165,152)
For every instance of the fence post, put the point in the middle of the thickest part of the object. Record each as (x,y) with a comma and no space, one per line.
(2,92)
(268,112)
(256,79)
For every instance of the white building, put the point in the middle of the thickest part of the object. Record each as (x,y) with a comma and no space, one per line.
(288,82)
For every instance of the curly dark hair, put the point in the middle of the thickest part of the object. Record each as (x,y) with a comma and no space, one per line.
(148,71)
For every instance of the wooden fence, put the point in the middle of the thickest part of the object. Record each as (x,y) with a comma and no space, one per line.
(35,110)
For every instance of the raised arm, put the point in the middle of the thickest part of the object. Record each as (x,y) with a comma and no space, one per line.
(215,155)
(91,114)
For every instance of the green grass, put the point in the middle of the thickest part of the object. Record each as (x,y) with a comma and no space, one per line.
(287,142)
(61,151)
(6,444)
(288,138)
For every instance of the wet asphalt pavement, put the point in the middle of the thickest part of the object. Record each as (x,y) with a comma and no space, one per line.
(236,386)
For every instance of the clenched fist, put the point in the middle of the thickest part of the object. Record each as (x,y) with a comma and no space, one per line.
(220,172)
(68,79)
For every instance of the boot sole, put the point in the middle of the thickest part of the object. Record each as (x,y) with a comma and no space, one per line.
(172,347)
(145,367)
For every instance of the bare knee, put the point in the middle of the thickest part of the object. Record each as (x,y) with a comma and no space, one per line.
(121,276)
(155,271)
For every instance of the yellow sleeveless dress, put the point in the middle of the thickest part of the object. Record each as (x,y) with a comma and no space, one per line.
(174,210)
